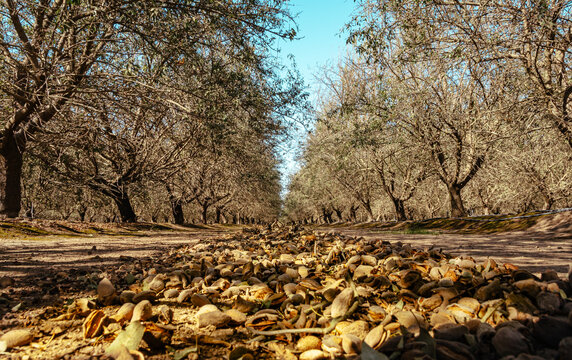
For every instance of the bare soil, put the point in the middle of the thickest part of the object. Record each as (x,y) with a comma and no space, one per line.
(547,244)
(25,258)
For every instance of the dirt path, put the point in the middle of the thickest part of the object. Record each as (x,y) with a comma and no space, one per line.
(534,251)
(25,258)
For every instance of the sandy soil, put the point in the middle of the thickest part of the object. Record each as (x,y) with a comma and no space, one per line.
(532,250)
(535,251)
(26,258)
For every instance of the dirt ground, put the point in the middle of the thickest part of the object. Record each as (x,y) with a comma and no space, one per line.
(533,251)
(47,271)
(27,258)
(536,250)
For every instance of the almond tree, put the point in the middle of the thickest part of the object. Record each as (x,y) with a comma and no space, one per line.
(529,37)
(363,112)
(54,50)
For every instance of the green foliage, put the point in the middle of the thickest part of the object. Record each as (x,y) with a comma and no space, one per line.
(188,94)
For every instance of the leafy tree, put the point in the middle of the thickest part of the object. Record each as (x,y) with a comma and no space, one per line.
(55,52)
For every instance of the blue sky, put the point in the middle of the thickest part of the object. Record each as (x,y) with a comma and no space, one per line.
(321,42)
(319,26)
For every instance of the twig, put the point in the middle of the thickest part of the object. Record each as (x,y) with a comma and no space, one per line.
(491,311)
(316,307)
(331,327)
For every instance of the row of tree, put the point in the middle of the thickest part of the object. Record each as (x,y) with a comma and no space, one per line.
(444,108)
(146,109)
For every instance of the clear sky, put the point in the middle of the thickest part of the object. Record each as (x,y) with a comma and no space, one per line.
(322,42)
(320,24)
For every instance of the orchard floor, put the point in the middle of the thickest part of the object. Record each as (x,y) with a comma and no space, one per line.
(24,258)
(535,251)
(39,274)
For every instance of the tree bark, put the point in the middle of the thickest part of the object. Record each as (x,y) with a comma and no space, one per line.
(218,214)
(548,202)
(125,209)
(118,193)
(204,212)
(327,215)
(10,176)
(353,213)
(82,211)
(563,124)
(457,206)
(399,208)
(367,207)
(177,209)
(339,214)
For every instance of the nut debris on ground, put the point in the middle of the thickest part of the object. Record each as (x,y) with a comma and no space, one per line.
(290,293)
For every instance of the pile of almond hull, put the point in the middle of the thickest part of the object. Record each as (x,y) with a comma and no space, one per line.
(293,294)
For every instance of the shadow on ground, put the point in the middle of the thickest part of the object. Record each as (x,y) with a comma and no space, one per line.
(535,251)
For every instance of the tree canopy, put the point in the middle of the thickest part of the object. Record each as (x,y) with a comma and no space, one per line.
(113,96)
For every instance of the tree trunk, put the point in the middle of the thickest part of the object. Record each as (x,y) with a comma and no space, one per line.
(327,215)
(176,206)
(562,121)
(204,213)
(339,214)
(367,207)
(125,209)
(177,209)
(457,207)
(31,211)
(10,176)
(399,208)
(548,202)
(353,213)
(218,213)
(81,212)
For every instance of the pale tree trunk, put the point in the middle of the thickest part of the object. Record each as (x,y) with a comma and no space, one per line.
(10,176)
(548,202)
